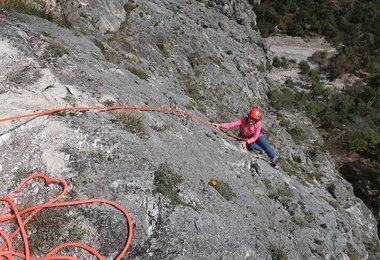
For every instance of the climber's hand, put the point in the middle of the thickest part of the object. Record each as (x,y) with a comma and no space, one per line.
(243,145)
(216,125)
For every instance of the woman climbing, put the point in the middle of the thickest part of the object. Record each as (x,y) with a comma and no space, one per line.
(250,128)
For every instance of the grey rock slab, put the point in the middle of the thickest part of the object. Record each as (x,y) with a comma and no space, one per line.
(103,158)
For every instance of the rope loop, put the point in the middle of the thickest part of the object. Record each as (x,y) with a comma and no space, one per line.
(10,212)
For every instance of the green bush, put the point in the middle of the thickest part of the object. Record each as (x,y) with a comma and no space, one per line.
(364,178)
(278,252)
(301,99)
(98,156)
(309,216)
(260,68)
(289,83)
(66,11)
(167,183)
(345,107)
(284,192)
(129,7)
(15,77)
(314,76)
(374,81)
(278,63)
(320,57)
(225,190)
(352,139)
(331,189)
(46,228)
(304,67)
(328,118)
(161,44)
(363,139)
(295,29)
(334,71)
(192,89)
(131,122)
(139,73)
(297,134)
(160,128)
(374,67)
(319,90)
(54,51)
(267,19)
(100,45)
(27,7)
(195,59)
(315,108)
(282,99)
(352,253)
(217,60)
(174,9)
(317,175)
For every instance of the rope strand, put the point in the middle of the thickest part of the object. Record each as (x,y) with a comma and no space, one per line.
(105,108)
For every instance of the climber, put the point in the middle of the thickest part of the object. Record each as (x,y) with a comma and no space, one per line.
(250,128)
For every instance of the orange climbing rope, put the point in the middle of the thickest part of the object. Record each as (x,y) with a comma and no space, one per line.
(104,108)
(10,253)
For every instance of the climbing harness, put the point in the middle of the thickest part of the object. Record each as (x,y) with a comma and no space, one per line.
(10,211)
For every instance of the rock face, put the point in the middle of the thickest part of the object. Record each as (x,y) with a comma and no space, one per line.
(202,57)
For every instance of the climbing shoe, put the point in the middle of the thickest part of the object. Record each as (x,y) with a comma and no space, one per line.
(274,165)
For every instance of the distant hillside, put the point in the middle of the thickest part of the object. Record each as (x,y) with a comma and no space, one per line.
(349,118)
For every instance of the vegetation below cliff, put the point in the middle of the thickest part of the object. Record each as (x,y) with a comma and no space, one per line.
(349,118)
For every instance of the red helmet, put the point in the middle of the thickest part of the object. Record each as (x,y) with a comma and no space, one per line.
(255,113)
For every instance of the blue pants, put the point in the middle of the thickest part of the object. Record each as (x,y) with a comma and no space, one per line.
(262,144)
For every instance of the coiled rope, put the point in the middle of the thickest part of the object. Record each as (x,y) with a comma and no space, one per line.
(6,248)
